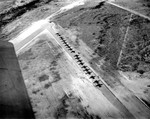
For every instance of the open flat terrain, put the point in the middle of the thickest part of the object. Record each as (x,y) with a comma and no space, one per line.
(115,42)
(58,88)
(88,62)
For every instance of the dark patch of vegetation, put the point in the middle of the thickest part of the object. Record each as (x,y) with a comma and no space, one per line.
(46,86)
(61,111)
(53,64)
(44,77)
(56,76)
(25,67)
(145,91)
(27,55)
(35,91)
(53,68)
(136,54)
(99,5)
(146,3)
(73,107)
(40,42)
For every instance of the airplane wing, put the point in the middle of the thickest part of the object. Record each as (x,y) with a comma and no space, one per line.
(14,99)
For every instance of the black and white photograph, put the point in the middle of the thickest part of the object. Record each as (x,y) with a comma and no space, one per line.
(74,59)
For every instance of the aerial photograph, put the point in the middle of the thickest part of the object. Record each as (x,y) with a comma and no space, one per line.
(74,59)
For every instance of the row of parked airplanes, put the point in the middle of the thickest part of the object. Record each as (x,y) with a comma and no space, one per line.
(85,68)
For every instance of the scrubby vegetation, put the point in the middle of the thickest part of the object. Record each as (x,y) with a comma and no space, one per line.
(103,28)
(146,3)
(44,77)
(27,55)
(71,107)
(136,54)
(141,6)
(15,12)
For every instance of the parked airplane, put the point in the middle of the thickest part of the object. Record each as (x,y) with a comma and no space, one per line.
(84,66)
(81,63)
(73,51)
(97,83)
(61,38)
(92,77)
(76,55)
(88,72)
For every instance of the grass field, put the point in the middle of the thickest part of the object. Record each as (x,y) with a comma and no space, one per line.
(103,28)
(136,55)
(56,88)
(39,65)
